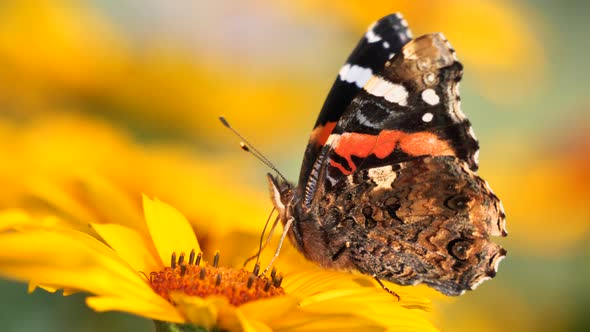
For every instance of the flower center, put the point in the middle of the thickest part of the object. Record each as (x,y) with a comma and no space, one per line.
(237,285)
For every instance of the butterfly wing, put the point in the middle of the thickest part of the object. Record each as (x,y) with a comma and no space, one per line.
(426,220)
(389,184)
(410,109)
(382,40)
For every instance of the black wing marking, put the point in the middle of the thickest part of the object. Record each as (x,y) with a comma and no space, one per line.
(409,110)
(381,41)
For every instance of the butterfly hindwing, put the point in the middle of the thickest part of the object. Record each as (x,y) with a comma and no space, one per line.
(424,220)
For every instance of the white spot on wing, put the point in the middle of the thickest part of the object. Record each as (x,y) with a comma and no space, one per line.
(398,94)
(377,86)
(355,74)
(392,92)
(455,108)
(459,112)
(382,176)
(430,97)
(371,36)
(343,73)
(497,263)
(350,180)
(479,282)
(456,88)
(504,230)
(331,139)
(331,179)
(427,117)
(385,44)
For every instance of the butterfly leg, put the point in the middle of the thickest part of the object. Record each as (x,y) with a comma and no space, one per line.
(283,236)
(385,287)
(263,245)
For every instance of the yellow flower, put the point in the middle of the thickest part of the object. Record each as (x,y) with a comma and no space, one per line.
(150,275)
(85,171)
(494,39)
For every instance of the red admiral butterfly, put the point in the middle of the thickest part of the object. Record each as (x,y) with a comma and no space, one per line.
(388,185)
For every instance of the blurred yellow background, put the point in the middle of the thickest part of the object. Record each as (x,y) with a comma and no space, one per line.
(115,98)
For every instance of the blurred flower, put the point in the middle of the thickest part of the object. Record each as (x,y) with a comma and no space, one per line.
(49,48)
(130,273)
(85,171)
(57,53)
(494,39)
(546,187)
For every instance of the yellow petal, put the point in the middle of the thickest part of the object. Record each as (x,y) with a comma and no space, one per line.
(301,321)
(316,281)
(15,219)
(51,288)
(56,196)
(111,202)
(197,310)
(170,230)
(249,325)
(33,286)
(210,311)
(69,259)
(154,311)
(11,219)
(132,246)
(369,303)
(268,310)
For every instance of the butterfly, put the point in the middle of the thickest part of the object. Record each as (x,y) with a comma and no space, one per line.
(389,185)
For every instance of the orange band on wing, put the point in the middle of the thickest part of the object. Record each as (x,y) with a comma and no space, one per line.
(321,133)
(382,145)
(425,143)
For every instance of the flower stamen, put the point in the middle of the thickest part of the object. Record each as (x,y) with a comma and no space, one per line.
(278,281)
(216,260)
(191,258)
(173,260)
(250,281)
(237,285)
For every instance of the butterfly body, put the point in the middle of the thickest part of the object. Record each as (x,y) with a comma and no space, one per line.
(388,186)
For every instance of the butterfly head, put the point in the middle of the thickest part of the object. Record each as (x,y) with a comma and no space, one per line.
(281,193)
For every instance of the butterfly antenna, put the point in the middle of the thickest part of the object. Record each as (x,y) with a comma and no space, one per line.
(248,147)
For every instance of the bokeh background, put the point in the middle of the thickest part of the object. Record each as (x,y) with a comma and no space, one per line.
(109,99)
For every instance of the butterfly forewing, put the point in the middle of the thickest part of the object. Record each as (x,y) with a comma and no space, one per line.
(382,40)
(410,109)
